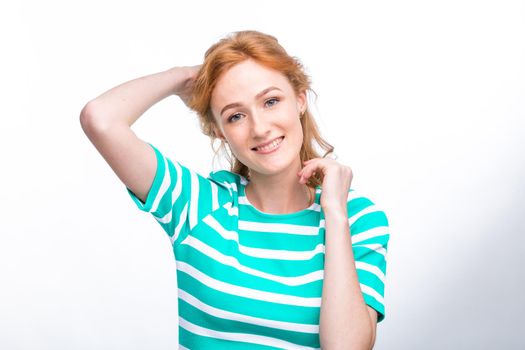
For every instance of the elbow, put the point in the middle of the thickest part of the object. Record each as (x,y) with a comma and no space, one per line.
(90,120)
(87,112)
(86,115)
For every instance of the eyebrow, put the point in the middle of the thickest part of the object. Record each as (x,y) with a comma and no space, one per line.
(238,104)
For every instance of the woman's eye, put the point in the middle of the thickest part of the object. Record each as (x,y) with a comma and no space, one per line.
(273,99)
(230,118)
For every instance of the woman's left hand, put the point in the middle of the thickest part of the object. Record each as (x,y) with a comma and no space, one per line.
(336,181)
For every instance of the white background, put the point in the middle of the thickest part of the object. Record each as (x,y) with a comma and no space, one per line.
(425,101)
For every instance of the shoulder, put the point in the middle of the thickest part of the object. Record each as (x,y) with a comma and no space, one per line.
(358,199)
(362,207)
(227,179)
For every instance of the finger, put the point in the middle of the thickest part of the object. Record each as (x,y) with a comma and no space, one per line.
(302,170)
(309,171)
(303,175)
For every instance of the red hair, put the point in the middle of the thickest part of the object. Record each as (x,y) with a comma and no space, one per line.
(265,50)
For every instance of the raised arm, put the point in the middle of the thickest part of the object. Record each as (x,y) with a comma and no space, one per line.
(107,120)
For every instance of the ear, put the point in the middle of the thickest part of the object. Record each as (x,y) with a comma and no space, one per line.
(301,101)
(218,132)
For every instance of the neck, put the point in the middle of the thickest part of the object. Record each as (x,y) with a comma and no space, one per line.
(279,193)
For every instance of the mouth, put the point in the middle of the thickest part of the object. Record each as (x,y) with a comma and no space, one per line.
(272,146)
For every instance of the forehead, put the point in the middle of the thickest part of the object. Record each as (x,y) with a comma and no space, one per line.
(243,81)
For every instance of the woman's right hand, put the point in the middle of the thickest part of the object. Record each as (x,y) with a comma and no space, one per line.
(184,89)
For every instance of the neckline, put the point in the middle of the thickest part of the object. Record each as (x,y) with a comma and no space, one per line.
(301,212)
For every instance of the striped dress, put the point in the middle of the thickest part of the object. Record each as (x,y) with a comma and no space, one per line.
(248,279)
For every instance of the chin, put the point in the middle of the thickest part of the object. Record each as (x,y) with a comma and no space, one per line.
(272,168)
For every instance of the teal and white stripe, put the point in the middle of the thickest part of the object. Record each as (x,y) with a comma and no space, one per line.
(253,280)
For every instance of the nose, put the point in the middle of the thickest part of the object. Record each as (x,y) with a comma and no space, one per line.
(260,127)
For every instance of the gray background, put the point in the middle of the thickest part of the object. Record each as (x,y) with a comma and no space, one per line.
(425,101)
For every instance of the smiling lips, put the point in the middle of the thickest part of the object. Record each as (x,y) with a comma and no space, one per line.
(270,146)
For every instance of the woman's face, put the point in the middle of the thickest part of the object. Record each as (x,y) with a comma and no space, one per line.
(252,105)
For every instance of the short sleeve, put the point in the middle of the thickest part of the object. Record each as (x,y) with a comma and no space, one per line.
(370,235)
(179,197)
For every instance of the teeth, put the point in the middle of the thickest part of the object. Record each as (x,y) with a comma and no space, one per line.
(270,146)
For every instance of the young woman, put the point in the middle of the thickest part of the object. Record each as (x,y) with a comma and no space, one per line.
(278,251)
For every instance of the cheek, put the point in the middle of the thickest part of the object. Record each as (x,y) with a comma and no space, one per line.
(235,141)
(300,136)
(297,129)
